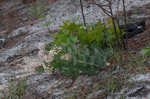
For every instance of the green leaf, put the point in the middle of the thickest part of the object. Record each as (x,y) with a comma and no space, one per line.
(47,24)
(146,51)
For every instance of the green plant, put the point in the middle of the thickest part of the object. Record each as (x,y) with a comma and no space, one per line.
(146,51)
(66,37)
(113,85)
(79,51)
(49,46)
(47,23)
(100,34)
(16,90)
(36,10)
(107,8)
(39,69)
(82,60)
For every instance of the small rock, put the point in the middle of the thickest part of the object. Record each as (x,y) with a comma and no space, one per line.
(2,43)
(133,92)
(95,95)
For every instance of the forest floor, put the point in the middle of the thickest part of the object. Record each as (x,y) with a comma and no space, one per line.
(130,62)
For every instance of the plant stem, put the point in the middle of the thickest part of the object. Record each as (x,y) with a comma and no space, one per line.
(124,11)
(125,22)
(114,25)
(83,16)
